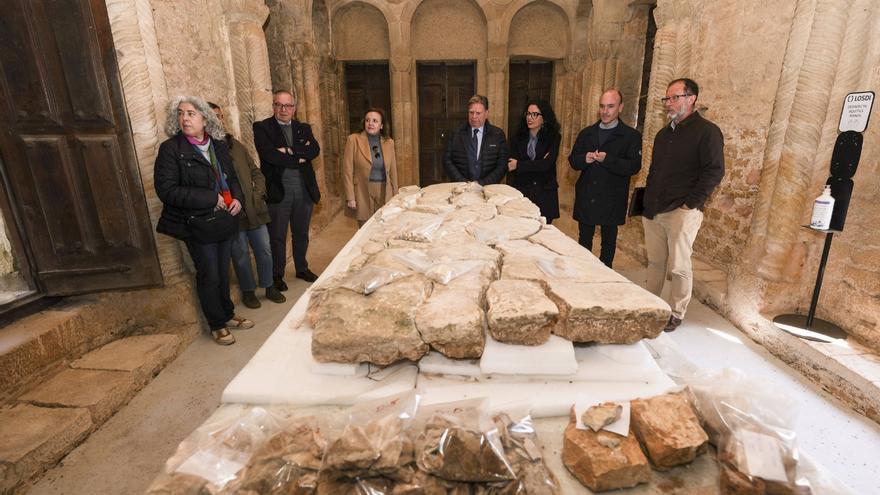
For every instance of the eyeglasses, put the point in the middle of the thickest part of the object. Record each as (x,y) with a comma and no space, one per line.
(284,106)
(674,97)
(534,115)
(376,150)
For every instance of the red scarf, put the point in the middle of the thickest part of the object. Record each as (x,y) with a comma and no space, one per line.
(196,142)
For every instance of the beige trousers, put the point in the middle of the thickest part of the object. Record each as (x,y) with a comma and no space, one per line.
(377,198)
(669,241)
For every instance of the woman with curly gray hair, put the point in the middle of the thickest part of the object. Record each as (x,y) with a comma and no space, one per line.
(195,179)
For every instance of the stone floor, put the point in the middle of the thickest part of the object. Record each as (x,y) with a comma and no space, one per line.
(127,452)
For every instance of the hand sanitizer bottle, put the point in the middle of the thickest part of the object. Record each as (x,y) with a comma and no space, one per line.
(822,209)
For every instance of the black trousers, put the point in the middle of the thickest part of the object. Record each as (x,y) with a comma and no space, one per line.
(609,240)
(212,280)
(295,212)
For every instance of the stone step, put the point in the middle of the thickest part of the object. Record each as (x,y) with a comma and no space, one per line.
(54,417)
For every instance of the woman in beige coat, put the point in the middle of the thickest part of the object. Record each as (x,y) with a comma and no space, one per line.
(369,168)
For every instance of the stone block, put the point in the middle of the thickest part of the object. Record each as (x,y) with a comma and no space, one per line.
(501,229)
(102,392)
(533,266)
(669,429)
(492,190)
(453,324)
(604,460)
(520,207)
(143,355)
(607,313)
(35,438)
(379,328)
(519,312)
(555,240)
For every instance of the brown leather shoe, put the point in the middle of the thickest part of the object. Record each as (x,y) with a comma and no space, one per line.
(223,336)
(672,324)
(239,323)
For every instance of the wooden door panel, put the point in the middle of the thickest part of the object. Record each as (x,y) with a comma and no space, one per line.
(443,92)
(67,149)
(367,85)
(528,79)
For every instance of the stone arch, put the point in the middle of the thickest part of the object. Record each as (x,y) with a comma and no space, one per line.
(449,30)
(539,29)
(321,26)
(360,32)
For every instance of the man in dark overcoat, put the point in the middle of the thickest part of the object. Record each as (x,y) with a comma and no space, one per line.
(607,154)
(477,151)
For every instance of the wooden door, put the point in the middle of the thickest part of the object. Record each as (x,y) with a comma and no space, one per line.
(444,90)
(528,79)
(367,85)
(67,150)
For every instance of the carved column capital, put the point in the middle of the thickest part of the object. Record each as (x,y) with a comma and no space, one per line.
(603,49)
(401,63)
(574,63)
(251,11)
(496,64)
(670,11)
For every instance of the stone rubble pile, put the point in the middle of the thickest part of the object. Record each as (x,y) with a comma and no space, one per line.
(443,265)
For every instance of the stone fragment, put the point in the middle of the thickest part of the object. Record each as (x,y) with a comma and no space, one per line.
(33,437)
(534,266)
(102,392)
(468,199)
(370,247)
(492,190)
(601,464)
(734,482)
(288,461)
(669,429)
(601,415)
(467,187)
(523,451)
(520,207)
(521,248)
(379,328)
(452,323)
(466,215)
(607,313)
(472,285)
(519,312)
(555,240)
(501,229)
(451,451)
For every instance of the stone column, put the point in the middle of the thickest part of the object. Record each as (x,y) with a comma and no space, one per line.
(250,63)
(497,68)
(402,76)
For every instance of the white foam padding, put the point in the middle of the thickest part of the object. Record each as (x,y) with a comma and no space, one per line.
(615,363)
(554,357)
(438,364)
(548,397)
(281,373)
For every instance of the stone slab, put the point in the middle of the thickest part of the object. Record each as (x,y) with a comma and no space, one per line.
(452,323)
(669,429)
(36,437)
(143,355)
(102,392)
(607,313)
(557,241)
(519,312)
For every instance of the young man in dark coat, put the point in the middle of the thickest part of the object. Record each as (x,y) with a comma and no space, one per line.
(477,151)
(286,148)
(607,154)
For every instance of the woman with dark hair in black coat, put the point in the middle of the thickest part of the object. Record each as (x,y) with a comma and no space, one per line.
(533,153)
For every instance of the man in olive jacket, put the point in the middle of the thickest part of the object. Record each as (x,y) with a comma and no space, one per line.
(687,163)
(252,225)
(286,148)
(477,151)
(607,154)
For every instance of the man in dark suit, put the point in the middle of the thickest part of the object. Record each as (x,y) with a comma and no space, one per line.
(607,154)
(286,148)
(477,151)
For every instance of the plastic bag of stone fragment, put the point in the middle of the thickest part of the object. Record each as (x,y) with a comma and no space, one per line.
(755,457)
(445,271)
(523,451)
(287,463)
(213,456)
(372,447)
(457,441)
(369,278)
(417,260)
(420,230)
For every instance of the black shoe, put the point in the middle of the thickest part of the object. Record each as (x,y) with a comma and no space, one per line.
(672,324)
(249,299)
(307,275)
(274,295)
(279,284)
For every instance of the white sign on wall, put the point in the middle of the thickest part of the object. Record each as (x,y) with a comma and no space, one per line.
(856,110)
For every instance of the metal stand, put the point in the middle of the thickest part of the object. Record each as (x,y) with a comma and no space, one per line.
(809,327)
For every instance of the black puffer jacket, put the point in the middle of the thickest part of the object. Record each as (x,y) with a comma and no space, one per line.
(493,155)
(184,181)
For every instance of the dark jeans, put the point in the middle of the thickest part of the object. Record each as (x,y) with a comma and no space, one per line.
(241,259)
(294,210)
(212,280)
(609,240)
